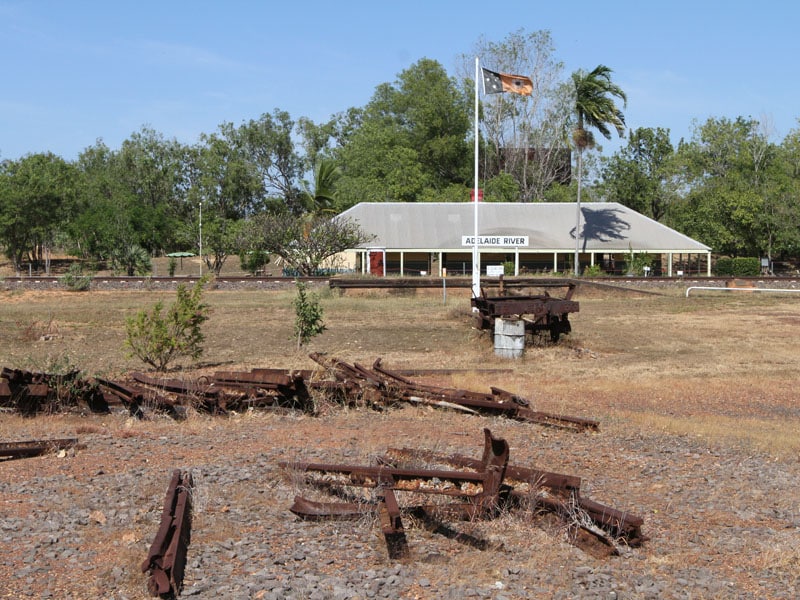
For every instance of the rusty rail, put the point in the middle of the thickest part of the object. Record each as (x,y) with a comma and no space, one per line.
(490,485)
(28,448)
(167,557)
(378,384)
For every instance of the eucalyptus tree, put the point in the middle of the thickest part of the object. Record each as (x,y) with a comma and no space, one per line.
(525,135)
(740,188)
(225,186)
(641,175)
(268,146)
(594,107)
(37,194)
(409,143)
(152,169)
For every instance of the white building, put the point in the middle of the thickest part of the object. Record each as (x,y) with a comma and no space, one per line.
(426,238)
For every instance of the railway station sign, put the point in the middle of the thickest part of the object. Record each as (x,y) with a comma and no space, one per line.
(500,241)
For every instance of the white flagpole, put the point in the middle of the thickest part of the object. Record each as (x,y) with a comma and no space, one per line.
(476,263)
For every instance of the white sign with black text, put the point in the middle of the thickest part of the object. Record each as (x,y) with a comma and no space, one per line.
(502,241)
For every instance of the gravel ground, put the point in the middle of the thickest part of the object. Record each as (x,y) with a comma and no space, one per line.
(723,522)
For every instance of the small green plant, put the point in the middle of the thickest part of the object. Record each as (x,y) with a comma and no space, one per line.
(308,322)
(637,261)
(172,265)
(133,259)
(74,279)
(593,271)
(508,267)
(157,339)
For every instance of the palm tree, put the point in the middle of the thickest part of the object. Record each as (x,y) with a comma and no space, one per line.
(323,198)
(594,108)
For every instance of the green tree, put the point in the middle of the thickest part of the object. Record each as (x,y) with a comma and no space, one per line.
(735,189)
(303,244)
(132,259)
(225,186)
(323,196)
(268,147)
(37,200)
(410,138)
(594,108)
(641,175)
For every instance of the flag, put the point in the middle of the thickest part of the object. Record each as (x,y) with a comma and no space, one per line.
(497,83)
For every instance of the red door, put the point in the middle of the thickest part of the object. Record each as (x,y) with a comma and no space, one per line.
(376,266)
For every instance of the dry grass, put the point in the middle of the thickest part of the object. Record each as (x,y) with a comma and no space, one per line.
(719,367)
(675,382)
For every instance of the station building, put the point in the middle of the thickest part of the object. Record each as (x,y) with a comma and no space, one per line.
(437,238)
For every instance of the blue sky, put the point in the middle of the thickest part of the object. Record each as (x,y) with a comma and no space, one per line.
(75,71)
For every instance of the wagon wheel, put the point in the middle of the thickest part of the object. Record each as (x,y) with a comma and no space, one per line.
(555,328)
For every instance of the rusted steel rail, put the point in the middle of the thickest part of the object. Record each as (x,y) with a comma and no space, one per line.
(282,389)
(482,487)
(379,385)
(28,448)
(167,557)
(564,492)
(30,392)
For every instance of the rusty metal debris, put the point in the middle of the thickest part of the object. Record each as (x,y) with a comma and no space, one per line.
(30,392)
(483,488)
(279,389)
(540,312)
(167,557)
(379,385)
(28,448)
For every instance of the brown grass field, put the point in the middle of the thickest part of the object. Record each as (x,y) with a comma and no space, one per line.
(714,375)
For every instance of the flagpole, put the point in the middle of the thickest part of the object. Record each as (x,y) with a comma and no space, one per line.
(476,267)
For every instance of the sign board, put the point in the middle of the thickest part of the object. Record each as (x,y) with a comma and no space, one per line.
(502,241)
(494,270)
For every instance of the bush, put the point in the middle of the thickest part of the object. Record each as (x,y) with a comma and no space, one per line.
(157,339)
(738,267)
(254,261)
(724,266)
(308,322)
(593,271)
(746,267)
(74,279)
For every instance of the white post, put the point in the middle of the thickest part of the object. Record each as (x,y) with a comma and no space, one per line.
(476,266)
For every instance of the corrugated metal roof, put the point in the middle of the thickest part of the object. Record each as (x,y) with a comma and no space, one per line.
(549,226)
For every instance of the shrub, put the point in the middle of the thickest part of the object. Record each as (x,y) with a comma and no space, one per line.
(74,279)
(172,265)
(746,267)
(593,271)
(308,322)
(724,266)
(637,261)
(253,261)
(157,339)
(132,259)
(742,266)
